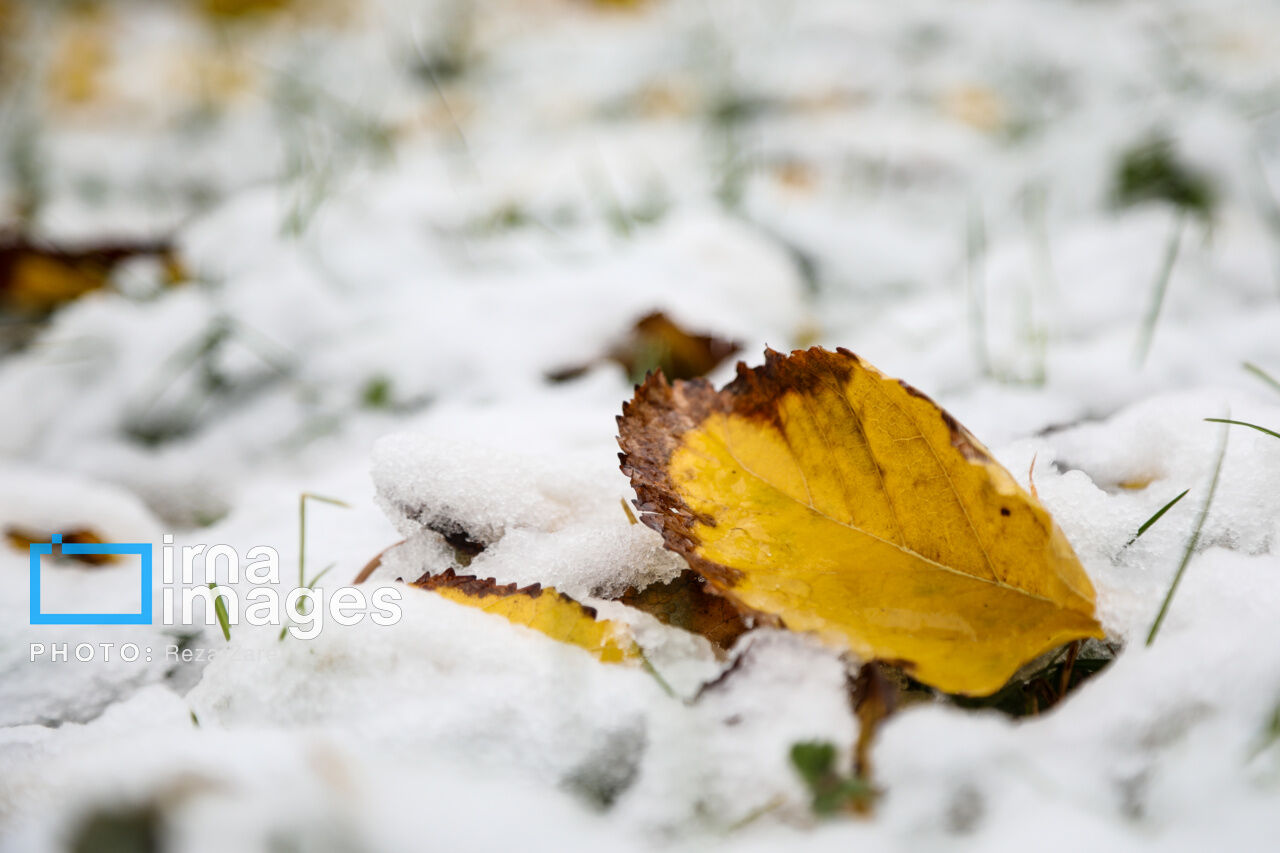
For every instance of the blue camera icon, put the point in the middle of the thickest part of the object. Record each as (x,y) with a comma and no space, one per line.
(141,549)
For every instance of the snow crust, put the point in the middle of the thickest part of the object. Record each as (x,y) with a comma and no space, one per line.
(928,185)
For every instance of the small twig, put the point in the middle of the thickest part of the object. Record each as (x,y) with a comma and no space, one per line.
(874,699)
(1064,682)
(372,566)
(756,813)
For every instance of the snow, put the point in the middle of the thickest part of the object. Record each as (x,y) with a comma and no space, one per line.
(555,518)
(928,185)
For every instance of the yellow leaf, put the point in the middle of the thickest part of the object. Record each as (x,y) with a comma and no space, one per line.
(82,58)
(40,283)
(241,8)
(36,278)
(976,106)
(819,493)
(22,539)
(542,609)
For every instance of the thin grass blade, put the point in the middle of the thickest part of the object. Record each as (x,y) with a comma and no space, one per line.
(1243,424)
(1262,374)
(220,610)
(1148,331)
(1194,540)
(1146,525)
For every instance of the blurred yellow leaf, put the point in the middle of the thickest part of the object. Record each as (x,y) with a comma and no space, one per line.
(238,8)
(81,59)
(796,175)
(976,106)
(821,494)
(619,4)
(40,283)
(22,538)
(542,609)
(36,278)
(1136,484)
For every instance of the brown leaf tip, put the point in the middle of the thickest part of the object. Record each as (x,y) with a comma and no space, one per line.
(756,390)
(650,430)
(654,422)
(476,587)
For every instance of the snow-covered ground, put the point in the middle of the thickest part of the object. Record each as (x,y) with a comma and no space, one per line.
(398,216)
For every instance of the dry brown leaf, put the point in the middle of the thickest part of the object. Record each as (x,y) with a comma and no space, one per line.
(685,602)
(656,342)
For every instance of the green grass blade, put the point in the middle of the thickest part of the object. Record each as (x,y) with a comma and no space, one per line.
(1148,331)
(220,609)
(1243,424)
(1194,540)
(1270,734)
(653,671)
(311,584)
(975,247)
(1153,519)
(1262,374)
(303,497)
(314,497)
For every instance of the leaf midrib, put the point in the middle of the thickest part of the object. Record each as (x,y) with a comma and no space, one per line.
(903,548)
